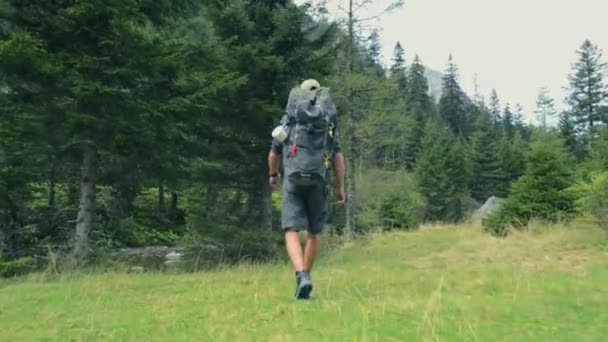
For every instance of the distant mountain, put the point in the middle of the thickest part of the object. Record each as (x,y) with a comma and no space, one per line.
(434,78)
(435,81)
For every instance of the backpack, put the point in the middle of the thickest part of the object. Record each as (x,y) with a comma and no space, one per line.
(309,123)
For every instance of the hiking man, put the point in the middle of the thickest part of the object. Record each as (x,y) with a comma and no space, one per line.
(308,143)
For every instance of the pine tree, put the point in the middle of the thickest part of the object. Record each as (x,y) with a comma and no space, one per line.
(587,91)
(452,102)
(567,131)
(374,49)
(545,108)
(388,130)
(519,124)
(460,173)
(374,54)
(543,191)
(488,174)
(443,173)
(398,69)
(495,108)
(418,101)
(508,123)
(512,156)
(418,97)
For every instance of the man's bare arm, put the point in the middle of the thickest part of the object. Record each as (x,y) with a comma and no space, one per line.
(273,163)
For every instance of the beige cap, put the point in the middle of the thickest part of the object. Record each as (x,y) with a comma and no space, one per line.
(310,85)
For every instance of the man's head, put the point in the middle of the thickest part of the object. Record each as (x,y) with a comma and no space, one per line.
(310,85)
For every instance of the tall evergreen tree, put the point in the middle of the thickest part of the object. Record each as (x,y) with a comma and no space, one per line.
(487,169)
(374,54)
(543,191)
(452,102)
(508,123)
(518,122)
(443,173)
(419,104)
(398,69)
(495,108)
(545,108)
(567,131)
(374,48)
(587,90)
(418,98)
(512,156)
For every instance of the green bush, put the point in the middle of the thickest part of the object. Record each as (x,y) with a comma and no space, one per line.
(390,200)
(16,267)
(230,245)
(544,191)
(594,199)
(134,234)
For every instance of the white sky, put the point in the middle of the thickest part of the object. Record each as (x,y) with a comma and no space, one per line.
(514,46)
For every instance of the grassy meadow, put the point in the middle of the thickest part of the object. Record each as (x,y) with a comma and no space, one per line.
(436,284)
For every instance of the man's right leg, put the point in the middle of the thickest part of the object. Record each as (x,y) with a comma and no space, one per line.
(310,251)
(294,217)
(294,250)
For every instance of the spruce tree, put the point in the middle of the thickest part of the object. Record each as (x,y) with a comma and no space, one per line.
(488,174)
(508,124)
(543,191)
(418,98)
(398,69)
(519,124)
(418,101)
(495,108)
(567,131)
(443,173)
(545,108)
(374,54)
(452,102)
(587,91)
(512,156)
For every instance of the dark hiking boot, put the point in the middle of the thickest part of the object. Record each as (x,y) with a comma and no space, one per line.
(303,285)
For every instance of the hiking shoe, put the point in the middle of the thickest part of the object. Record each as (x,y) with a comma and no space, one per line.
(304,285)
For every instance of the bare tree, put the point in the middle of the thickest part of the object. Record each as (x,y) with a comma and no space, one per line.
(355,22)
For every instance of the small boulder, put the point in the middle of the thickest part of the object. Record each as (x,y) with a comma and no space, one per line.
(136,269)
(489,207)
(173,258)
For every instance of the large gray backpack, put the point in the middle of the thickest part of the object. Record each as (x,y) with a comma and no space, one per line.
(310,127)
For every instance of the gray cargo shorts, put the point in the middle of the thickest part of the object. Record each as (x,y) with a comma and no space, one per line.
(304,208)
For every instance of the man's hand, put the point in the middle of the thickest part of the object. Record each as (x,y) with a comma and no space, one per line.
(340,197)
(275,181)
(273,166)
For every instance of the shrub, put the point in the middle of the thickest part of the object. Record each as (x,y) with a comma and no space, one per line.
(230,245)
(391,200)
(594,199)
(16,267)
(543,192)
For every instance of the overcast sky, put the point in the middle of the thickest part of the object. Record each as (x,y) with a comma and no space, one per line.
(515,46)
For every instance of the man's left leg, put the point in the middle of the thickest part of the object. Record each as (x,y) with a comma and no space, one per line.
(317,205)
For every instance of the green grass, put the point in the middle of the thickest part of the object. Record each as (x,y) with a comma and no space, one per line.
(438,284)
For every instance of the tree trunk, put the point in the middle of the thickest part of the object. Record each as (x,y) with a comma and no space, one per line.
(2,243)
(266,203)
(52,186)
(350,129)
(161,199)
(86,207)
(173,207)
